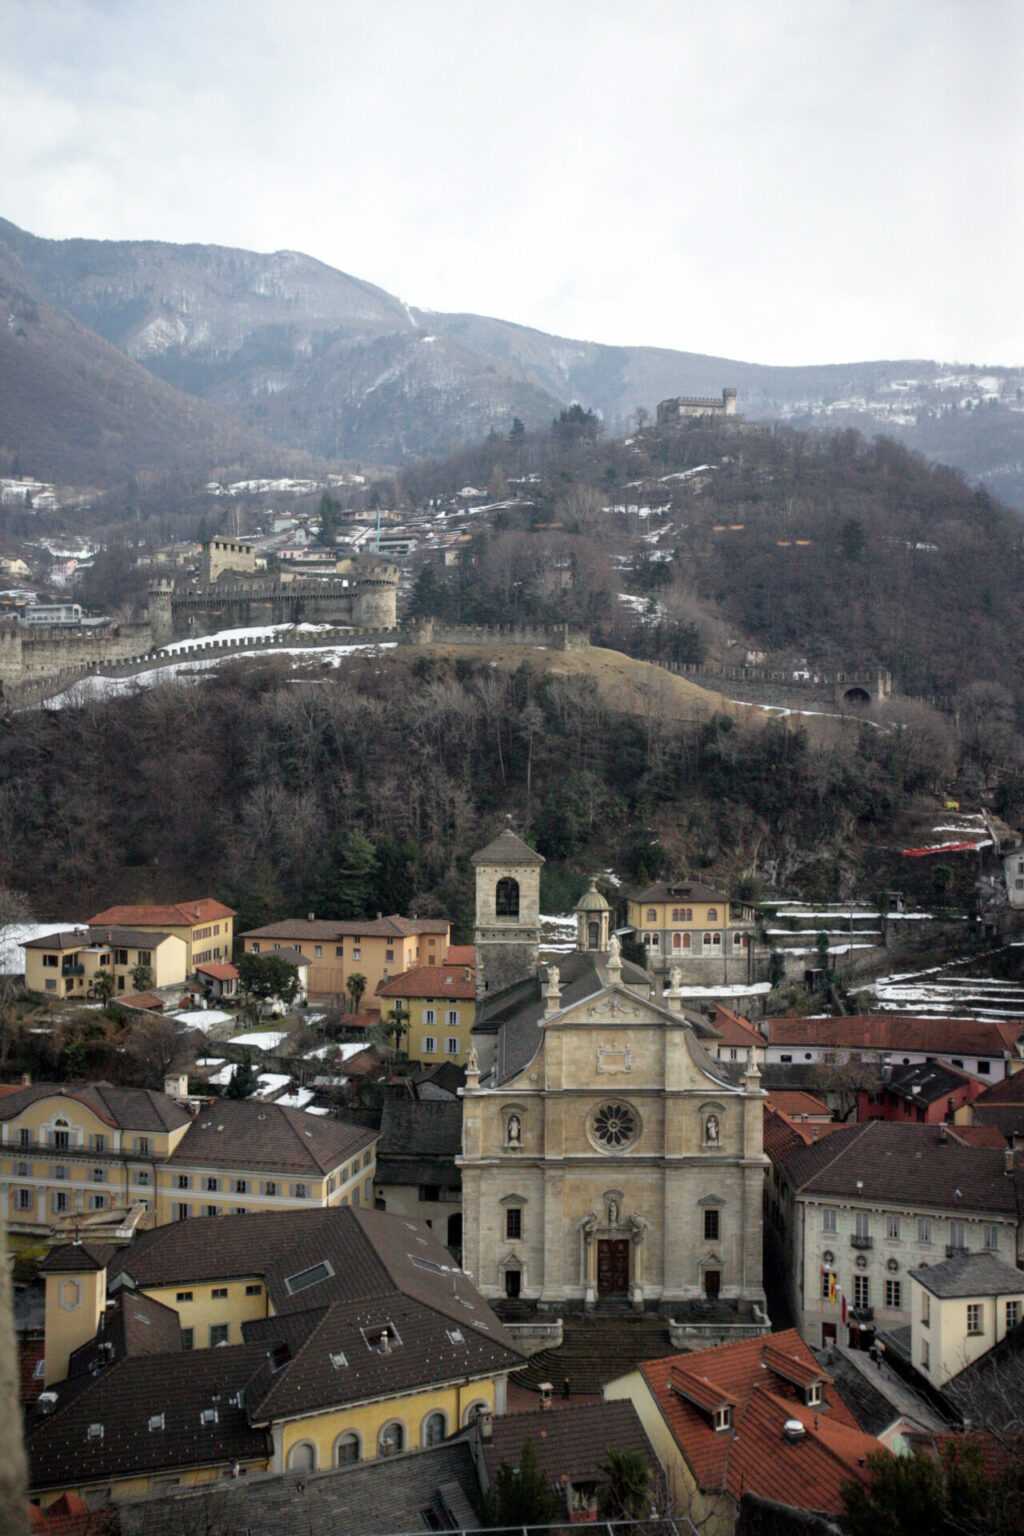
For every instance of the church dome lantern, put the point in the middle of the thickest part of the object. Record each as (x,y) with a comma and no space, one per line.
(593,920)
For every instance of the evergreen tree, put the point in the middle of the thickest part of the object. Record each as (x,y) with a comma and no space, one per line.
(244,1080)
(521,1495)
(330,519)
(357,874)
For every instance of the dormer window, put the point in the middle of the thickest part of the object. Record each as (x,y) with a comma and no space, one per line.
(722,1419)
(812,1395)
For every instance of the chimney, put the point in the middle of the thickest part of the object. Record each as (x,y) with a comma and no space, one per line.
(1008,1161)
(943,1134)
(545,1389)
(311,917)
(792,1431)
(485,1422)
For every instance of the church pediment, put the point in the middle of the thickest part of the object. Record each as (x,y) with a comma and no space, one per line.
(615,1005)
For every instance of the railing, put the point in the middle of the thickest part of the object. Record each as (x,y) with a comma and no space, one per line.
(952,1249)
(858,1240)
(536,1335)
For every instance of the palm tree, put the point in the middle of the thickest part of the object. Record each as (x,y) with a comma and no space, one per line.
(356,986)
(626,1494)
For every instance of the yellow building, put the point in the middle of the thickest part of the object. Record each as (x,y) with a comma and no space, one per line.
(84,1154)
(98,1158)
(959,1310)
(65,964)
(206,927)
(375,948)
(695,927)
(440,1003)
(327,1338)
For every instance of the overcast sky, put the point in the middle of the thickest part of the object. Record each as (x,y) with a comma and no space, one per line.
(788,181)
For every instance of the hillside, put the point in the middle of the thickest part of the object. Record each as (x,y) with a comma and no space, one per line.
(319,360)
(74,408)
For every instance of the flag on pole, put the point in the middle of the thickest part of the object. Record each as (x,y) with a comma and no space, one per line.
(832,1286)
(844,1305)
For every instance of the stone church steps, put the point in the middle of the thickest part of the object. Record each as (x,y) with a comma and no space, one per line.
(596,1350)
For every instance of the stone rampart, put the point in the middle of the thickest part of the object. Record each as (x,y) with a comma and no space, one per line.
(552,637)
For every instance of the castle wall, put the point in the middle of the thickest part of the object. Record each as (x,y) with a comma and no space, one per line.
(220,555)
(45,652)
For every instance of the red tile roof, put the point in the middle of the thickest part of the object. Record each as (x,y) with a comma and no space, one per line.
(782,1135)
(220,970)
(794,1102)
(173,915)
(460,954)
(755,1455)
(1009,1091)
(978,1135)
(734,1028)
(431,981)
(896,1031)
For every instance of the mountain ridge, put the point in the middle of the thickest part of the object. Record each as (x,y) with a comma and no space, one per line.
(315,359)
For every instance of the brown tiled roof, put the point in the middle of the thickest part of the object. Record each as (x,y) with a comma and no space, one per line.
(431,982)
(125,938)
(734,1028)
(461,954)
(174,915)
(781,1135)
(898,1032)
(979,1135)
(30,1353)
(134,1325)
(679,890)
(421,1128)
(881,1160)
(149,1002)
(220,970)
(794,1101)
(507,848)
(1009,1091)
(133,1109)
(244,1133)
(754,1455)
(393,927)
(78,1258)
(124,1400)
(571,1442)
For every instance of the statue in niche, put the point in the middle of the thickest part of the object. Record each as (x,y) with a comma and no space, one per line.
(515,1131)
(613,1213)
(711,1130)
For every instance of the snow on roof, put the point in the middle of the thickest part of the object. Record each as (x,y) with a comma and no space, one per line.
(202,1018)
(259,1040)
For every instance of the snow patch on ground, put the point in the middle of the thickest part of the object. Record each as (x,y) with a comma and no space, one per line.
(260,1040)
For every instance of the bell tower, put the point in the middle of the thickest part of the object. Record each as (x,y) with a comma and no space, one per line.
(507,913)
(593,920)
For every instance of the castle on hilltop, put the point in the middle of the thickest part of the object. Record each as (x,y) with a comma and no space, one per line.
(685,407)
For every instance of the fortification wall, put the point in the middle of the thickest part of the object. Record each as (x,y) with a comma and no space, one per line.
(552,637)
(47,652)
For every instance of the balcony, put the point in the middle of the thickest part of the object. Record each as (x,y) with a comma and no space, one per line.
(952,1249)
(859,1241)
(862,1314)
(72,970)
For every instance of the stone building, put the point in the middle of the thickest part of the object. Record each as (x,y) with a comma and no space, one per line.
(685,407)
(605,1155)
(507,912)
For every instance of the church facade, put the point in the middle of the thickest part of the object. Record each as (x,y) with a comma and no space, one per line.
(605,1155)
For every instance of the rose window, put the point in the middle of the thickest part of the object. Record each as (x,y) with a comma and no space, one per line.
(615,1126)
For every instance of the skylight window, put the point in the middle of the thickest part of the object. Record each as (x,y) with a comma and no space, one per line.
(339,1361)
(94,1432)
(455,1336)
(156,1421)
(382,1339)
(304,1278)
(436,1269)
(209,1416)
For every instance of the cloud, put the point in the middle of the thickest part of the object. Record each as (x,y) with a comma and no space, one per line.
(777,182)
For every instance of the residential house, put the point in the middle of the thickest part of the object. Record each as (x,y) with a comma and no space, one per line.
(307,1340)
(65,965)
(1013,874)
(98,1157)
(985,1048)
(759,1417)
(374,948)
(688,924)
(205,926)
(218,979)
(959,1310)
(439,1002)
(737,1036)
(882,1402)
(802,1108)
(416,1171)
(860,1208)
(926,1092)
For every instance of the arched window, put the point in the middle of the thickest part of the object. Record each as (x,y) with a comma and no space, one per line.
(474,1411)
(435,1427)
(302,1457)
(594,935)
(716,938)
(707,941)
(506,898)
(675,915)
(739,941)
(686,941)
(652,916)
(347,1449)
(712,914)
(689,914)
(391,1438)
(677,941)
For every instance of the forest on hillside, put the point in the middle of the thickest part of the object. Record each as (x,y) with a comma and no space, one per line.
(845,551)
(367,789)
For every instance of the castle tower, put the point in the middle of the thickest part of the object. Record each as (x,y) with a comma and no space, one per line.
(593,920)
(507,913)
(159,610)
